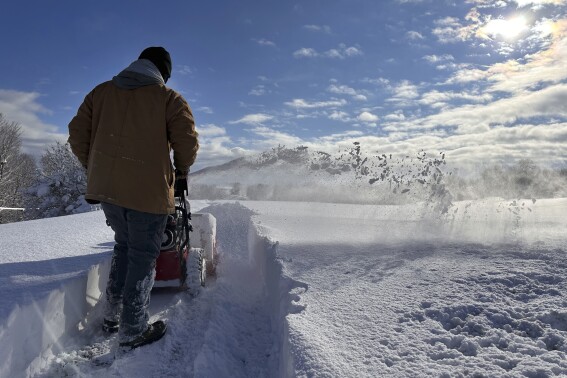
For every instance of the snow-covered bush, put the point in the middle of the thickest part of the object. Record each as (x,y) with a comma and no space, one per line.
(60,187)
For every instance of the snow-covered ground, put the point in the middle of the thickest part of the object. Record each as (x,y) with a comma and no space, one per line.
(309,290)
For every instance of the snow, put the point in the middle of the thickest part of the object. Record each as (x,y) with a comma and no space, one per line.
(397,298)
(309,290)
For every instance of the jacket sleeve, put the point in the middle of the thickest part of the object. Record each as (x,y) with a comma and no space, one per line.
(181,133)
(80,129)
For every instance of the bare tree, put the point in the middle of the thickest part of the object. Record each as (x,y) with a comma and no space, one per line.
(10,144)
(17,171)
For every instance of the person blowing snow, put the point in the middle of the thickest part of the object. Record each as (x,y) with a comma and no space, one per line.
(123,134)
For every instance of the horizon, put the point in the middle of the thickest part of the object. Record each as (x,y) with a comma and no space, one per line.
(481,80)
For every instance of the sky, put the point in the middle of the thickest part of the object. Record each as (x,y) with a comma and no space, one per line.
(483,80)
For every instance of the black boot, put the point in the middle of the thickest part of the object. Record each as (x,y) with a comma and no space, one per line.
(154,332)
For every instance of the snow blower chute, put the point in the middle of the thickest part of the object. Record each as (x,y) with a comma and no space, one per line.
(188,251)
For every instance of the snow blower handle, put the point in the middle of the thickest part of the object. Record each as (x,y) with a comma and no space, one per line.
(180,187)
(181,190)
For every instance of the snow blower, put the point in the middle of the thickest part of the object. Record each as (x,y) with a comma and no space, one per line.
(185,260)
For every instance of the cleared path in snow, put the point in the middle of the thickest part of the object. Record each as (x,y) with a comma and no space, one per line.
(224,332)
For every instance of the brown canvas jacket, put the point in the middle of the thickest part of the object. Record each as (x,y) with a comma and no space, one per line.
(124,138)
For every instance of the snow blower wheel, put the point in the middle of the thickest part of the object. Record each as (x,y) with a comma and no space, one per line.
(196,271)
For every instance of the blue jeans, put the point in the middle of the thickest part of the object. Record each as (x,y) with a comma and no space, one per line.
(138,239)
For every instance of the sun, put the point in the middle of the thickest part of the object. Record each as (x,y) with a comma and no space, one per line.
(506,28)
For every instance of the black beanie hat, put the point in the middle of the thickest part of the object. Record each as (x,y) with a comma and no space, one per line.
(160,57)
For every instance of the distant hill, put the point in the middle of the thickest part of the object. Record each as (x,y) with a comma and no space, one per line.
(353,176)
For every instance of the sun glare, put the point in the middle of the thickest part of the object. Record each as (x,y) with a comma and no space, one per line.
(507,29)
(546,27)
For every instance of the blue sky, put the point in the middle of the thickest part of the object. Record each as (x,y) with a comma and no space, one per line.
(483,80)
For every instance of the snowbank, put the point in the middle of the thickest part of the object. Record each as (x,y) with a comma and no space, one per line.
(263,255)
(53,272)
(32,332)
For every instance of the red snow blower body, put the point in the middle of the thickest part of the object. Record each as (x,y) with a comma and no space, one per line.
(169,266)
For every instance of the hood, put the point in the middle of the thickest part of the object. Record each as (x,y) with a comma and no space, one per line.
(140,73)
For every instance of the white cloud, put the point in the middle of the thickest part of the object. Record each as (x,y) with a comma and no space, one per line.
(503,34)
(467,75)
(537,142)
(217,149)
(305,52)
(512,76)
(333,139)
(210,130)
(548,102)
(523,3)
(184,70)
(253,119)
(346,90)
(367,117)
(24,109)
(319,28)
(450,29)
(205,109)
(352,51)
(299,103)
(396,116)
(341,52)
(258,90)
(403,92)
(414,36)
(264,42)
(334,53)
(445,62)
(438,58)
(338,115)
(272,138)
(436,98)
(547,66)
(381,81)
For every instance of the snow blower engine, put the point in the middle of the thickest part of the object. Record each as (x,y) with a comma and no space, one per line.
(184,261)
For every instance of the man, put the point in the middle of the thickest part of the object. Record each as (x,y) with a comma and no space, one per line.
(123,134)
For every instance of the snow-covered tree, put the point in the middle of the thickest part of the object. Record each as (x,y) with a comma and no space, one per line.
(61,185)
(17,171)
